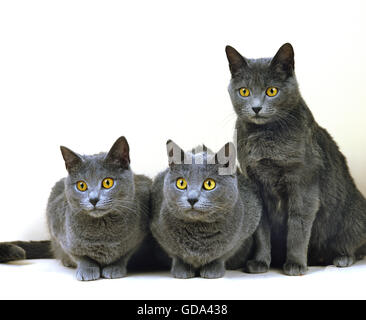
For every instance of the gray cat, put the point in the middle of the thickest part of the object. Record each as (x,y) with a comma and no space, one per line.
(98,216)
(316,214)
(202,219)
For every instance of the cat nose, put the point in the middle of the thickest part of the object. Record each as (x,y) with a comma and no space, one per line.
(257,109)
(94,201)
(192,201)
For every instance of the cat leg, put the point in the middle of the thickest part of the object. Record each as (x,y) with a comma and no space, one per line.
(87,269)
(350,245)
(262,244)
(117,269)
(214,270)
(67,262)
(61,255)
(303,204)
(346,253)
(182,270)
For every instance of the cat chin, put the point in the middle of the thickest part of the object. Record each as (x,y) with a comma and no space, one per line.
(97,213)
(196,215)
(259,120)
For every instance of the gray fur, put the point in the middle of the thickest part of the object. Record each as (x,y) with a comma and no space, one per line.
(99,240)
(214,232)
(316,214)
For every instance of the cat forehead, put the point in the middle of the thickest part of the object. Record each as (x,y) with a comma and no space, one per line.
(257,72)
(95,165)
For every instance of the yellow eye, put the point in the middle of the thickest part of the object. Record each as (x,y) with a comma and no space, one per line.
(108,183)
(244,92)
(271,92)
(209,184)
(181,183)
(82,186)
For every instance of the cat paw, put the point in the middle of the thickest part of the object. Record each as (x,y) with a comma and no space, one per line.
(209,273)
(254,266)
(183,273)
(88,274)
(294,269)
(66,262)
(344,261)
(114,272)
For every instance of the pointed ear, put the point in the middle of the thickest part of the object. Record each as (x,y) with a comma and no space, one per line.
(72,159)
(226,158)
(119,153)
(284,60)
(175,153)
(236,61)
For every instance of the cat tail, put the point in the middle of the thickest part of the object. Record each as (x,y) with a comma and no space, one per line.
(21,250)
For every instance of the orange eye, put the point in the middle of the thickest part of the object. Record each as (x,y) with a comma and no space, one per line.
(82,186)
(108,183)
(271,92)
(244,92)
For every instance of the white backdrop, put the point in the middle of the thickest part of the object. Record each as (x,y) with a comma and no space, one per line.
(82,73)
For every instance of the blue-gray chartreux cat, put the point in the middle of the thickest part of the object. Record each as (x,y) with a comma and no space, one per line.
(204,220)
(317,215)
(98,215)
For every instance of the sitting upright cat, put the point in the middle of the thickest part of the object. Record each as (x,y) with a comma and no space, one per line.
(98,215)
(203,219)
(313,206)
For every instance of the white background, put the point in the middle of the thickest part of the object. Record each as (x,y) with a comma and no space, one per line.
(83,73)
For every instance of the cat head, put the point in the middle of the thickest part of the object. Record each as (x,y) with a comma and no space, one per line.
(263,90)
(99,183)
(194,189)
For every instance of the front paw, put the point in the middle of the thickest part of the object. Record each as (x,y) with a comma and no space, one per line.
(254,266)
(294,269)
(183,272)
(344,261)
(114,272)
(213,271)
(88,273)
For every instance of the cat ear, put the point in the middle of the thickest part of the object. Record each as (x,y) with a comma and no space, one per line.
(284,60)
(236,61)
(119,153)
(72,159)
(175,153)
(226,157)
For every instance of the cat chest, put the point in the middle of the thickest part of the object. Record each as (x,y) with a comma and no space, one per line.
(198,247)
(103,243)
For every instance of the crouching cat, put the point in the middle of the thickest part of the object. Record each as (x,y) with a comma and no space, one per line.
(204,220)
(98,215)
(316,213)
